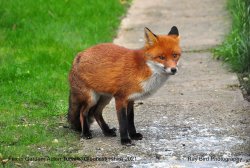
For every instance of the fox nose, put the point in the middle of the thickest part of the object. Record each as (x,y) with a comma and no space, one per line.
(173,70)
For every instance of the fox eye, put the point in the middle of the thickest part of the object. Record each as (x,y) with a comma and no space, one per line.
(162,57)
(175,55)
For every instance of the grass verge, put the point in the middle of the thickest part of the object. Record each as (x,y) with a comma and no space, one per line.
(236,48)
(38,41)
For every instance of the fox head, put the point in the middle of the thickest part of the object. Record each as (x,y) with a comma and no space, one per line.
(163,51)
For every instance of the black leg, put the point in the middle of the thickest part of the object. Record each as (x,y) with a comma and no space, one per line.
(103,101)
(131,126)
(105,128)
(123,124)
(87,132)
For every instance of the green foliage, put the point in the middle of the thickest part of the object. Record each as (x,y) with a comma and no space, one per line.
(38,41)
(236,48)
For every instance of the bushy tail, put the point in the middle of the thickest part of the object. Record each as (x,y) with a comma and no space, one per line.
(74,115)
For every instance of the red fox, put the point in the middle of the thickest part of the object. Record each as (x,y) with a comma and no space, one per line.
(108,70)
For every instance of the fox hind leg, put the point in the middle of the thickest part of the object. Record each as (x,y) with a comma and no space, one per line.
(90,105)
(102,102)
(81,101)
(84,123)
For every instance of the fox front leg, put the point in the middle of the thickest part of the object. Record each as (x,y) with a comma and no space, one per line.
(131,126)
(121,108)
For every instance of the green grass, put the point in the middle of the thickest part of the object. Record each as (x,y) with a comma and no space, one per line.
(236,48)
(38,41)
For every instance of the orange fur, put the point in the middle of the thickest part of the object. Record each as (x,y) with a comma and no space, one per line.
(111,70)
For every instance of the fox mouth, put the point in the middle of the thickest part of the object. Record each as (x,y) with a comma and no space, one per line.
(161,69)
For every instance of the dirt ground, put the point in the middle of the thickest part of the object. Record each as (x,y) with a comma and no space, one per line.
(199,117)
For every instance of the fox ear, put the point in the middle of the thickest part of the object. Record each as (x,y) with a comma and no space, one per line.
(150,37)
(174,31)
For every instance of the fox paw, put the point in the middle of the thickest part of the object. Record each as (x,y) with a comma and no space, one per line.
(127,142)
(110,132)
(86,135)
(136,136)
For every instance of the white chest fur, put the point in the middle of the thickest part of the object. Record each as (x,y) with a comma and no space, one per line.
(153,83)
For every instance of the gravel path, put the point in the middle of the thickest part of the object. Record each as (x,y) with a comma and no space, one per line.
(198,114)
